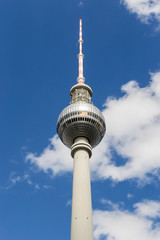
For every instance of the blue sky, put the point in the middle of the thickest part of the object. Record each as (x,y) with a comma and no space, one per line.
(38,66)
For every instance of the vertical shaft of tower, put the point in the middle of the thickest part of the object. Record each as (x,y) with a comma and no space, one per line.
(81,222)
(80,55)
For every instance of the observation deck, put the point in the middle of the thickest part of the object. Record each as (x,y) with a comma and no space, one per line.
(81,118)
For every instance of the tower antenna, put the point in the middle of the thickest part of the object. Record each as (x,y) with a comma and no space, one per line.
(80,78)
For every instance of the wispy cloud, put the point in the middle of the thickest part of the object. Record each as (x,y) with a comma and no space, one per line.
(128,225)
(69,203)
(110,205)
(15,179)
(129,195)
(146,10)
(47,187)
(80,4)
(133,132)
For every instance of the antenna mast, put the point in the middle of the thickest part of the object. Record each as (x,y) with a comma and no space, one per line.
(80,78)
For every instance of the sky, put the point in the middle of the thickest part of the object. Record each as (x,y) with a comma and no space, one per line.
(38,66)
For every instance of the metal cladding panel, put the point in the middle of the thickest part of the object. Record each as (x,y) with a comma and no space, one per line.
(81,119)
(83,130)
(81,106)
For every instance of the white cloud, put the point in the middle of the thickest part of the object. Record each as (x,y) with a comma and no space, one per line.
(130,195)
(55,157)
(47,187)
(148,208)
(145,9)
(126,225)
(37,186)
(80,4)
(69,203)
(133,132)
(110,204)
(15,179)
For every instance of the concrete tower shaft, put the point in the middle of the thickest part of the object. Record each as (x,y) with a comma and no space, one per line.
(81,221)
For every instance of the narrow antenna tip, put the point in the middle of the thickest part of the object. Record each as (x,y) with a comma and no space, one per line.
(80,55)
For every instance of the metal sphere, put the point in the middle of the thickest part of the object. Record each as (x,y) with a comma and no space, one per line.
(81,119)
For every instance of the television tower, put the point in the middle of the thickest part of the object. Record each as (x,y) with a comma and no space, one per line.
(81,126)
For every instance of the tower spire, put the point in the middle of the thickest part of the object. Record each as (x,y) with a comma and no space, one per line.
(80,78)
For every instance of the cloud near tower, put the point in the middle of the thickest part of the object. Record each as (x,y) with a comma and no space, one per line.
(121,224)
(146,10)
